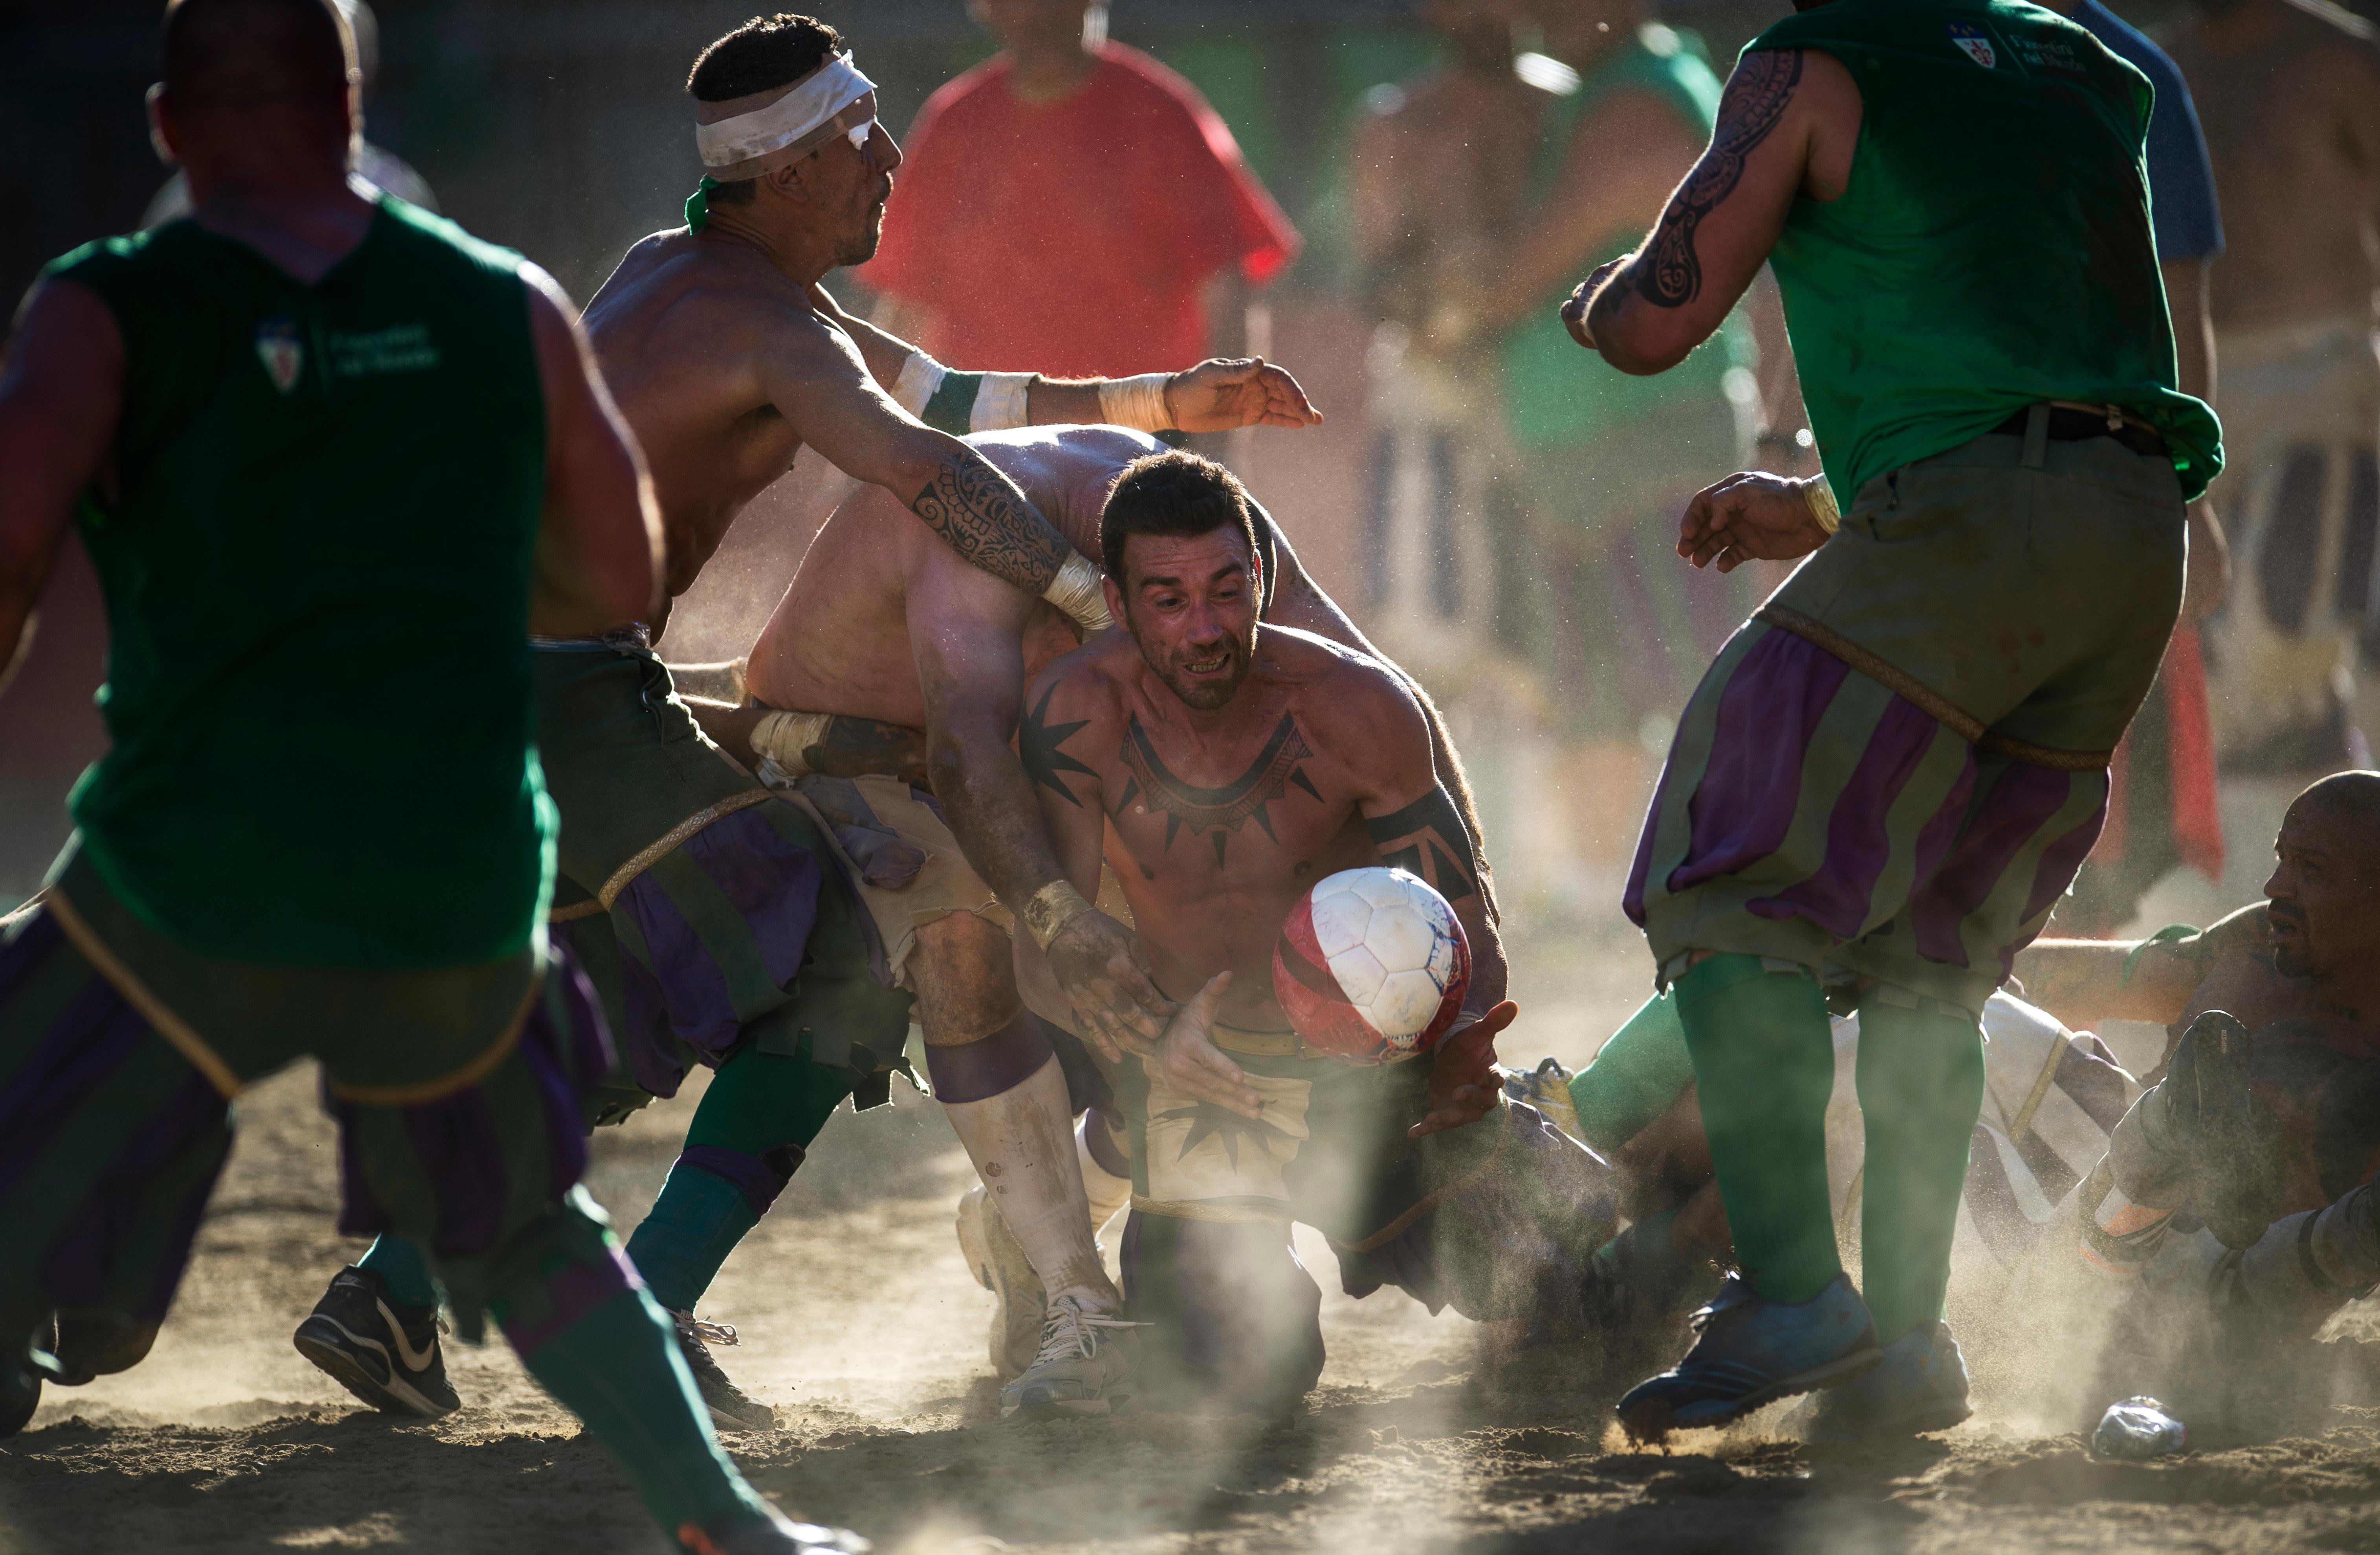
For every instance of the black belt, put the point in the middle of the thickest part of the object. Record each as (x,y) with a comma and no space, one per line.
(2073,426)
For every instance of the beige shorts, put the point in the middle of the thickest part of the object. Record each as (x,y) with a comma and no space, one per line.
(944,881)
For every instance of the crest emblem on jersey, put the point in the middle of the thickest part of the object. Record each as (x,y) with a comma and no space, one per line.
(282,352)
(1977,41)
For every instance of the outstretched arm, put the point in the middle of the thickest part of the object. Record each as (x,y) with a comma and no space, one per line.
(1787,125)
(61,396)
(2083,982)
(1215,395)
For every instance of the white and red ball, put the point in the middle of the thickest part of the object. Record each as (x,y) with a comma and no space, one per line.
(1371,965)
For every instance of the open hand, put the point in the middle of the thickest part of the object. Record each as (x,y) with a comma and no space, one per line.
(1224,392)
(1749,516)
(1462,1082)
(1105,975)
(1192,1065)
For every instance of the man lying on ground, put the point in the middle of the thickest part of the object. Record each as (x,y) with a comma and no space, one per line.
(2236,1195)
(713,920)
(1153,749)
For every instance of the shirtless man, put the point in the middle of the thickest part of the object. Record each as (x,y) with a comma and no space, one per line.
(705,915)
(905,633)
(1153,749)
(2263,1119)
(2290,98)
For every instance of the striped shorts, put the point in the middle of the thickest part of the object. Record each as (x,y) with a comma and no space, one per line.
(1893,770)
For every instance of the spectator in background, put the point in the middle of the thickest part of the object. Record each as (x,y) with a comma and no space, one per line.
(2289,96)
(1073,202)
(2161,808)
(377,165)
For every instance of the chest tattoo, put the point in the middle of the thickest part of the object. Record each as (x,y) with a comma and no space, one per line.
(1218,811)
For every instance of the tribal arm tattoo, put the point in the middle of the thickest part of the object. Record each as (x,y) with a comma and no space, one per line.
(983,515)
(1427,838)
(1668,274)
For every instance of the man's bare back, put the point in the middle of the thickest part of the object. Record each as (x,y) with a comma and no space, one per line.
(840,640)
(2291,104)
(1217,822)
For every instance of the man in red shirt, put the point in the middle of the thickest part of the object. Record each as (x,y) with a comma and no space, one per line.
(1072,198)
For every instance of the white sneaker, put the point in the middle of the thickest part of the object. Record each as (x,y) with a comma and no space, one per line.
(1001,1266)
(1083,1367)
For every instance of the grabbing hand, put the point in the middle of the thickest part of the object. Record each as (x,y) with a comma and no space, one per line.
(1573,312)
(1219,394)
(1105,974)
(1746,518)
(1192,1065)
(1463,1083)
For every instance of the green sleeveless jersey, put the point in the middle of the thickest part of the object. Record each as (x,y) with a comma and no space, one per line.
(1992,247)
(317,570)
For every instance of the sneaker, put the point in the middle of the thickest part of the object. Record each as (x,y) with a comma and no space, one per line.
(778,1536)
(386,1354)
(1545,1088)
(1001,1266)
(90,1345)
(731,1407)
(1920,1387)
(1750,1351)
(1083,1367)
(21,1378)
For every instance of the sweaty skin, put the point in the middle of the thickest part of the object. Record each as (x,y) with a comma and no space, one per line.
(2300,969)
(1216,815)
(2291,104)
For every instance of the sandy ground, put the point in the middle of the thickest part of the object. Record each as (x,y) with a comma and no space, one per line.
(862,1326)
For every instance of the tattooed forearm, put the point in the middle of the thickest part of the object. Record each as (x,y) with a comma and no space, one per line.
(1668,274)
(983,516)
(1427,838)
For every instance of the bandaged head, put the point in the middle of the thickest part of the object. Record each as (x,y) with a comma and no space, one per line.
(744,137)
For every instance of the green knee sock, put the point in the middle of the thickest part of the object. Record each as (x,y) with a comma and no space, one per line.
(617,1367)
(400,1264)
(1764,1056)
(1921,1085)
(1641,1071)
(756,1121)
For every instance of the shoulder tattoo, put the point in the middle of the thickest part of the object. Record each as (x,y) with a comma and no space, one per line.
(1038,740)
(1427,838)
(1670,274)
(1219,812)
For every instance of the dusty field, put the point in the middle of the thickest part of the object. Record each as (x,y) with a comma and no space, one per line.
(863,1327)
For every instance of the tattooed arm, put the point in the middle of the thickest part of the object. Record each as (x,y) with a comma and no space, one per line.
(1788,125)
(815,377)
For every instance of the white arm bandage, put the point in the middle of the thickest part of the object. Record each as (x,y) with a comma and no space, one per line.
(779,740)
(921,376)
(1137,403)
(1000,403)
(1076,591)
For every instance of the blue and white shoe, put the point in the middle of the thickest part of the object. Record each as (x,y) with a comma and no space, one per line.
(1921,1386)
(1750,1351)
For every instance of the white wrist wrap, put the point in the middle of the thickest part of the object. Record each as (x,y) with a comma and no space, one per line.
(779,740)
(1076,591)
(921,376)
(1821,498)
(1000,403)
(1137,403)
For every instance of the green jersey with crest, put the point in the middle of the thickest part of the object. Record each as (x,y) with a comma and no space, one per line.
(1992,247)
(316,549)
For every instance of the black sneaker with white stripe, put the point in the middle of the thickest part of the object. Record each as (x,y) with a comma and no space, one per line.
(386,1354)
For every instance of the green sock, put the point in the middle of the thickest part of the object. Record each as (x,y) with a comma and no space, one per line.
(1921,1086)
(400,1263)
(756,1121)
(1764,1057)
(1639,1074)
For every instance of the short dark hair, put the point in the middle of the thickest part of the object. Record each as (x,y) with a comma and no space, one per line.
(763,54)
(239,52)
(1178,493)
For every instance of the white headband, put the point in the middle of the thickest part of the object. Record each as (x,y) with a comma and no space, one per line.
(768,126)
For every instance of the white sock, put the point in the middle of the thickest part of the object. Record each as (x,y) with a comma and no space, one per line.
(1023,1147)
(1107,1192)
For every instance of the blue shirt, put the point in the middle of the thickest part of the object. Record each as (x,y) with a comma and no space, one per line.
(2181,181)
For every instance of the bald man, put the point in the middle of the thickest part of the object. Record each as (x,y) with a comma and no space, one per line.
(303,842)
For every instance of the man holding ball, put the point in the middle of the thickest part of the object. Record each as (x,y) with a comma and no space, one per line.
(1223,767)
